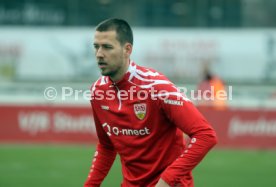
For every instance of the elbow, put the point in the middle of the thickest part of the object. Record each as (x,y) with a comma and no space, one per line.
(213,139)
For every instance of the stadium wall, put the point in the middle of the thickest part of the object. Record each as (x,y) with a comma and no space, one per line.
(44,53)
(236,128)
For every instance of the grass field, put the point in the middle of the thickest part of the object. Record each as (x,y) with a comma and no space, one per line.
(67,166)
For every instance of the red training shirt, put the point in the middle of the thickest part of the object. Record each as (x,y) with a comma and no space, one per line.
(142,118)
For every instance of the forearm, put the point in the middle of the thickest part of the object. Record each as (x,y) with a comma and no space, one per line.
(101,164)
(198,147)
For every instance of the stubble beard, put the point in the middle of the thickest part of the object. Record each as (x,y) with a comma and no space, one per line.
(110,73)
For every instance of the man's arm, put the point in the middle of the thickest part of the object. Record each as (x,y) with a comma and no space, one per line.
(103,158)
(202,136)
(101,164)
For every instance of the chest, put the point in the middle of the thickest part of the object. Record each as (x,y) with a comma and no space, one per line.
(127,117)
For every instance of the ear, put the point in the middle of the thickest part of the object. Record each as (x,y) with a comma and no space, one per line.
(128,49)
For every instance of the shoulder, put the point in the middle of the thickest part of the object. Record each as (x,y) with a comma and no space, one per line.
(101,83)
(145,77)
(149,72)
(158,80)
(157,83)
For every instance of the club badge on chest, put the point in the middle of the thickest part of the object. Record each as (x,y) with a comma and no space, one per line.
(140,110)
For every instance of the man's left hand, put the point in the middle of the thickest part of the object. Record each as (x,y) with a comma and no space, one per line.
(162,183)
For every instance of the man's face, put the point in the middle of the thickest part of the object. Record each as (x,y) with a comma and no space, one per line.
(112,58)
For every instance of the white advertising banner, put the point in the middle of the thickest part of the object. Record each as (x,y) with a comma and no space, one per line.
(181,54)
(49,53)
(235,55)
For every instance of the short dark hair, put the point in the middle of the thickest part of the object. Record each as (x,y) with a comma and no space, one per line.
(122,28)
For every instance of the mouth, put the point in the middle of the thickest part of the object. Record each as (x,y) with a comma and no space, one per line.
(102,64)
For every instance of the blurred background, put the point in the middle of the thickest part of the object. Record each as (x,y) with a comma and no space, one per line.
(47,66)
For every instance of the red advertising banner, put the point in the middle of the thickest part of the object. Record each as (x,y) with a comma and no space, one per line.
(36,124)
(239,128)
(243,128)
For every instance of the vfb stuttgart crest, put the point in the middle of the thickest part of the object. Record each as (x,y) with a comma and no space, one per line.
(140,110)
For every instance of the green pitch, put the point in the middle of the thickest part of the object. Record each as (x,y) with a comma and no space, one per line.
(57,166)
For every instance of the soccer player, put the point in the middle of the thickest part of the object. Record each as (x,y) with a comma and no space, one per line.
(141,115)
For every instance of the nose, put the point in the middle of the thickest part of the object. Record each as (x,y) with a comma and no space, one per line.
(99,53)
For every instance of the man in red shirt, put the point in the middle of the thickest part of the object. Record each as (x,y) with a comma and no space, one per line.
(141,115)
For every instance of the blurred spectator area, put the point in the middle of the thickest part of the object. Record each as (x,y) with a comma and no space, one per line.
(34,57)
(149,13)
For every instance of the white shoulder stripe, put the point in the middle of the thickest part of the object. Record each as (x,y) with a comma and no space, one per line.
(136,72)
(147,82)
(94,86)
(147,73)
(156,82)
(132,70)
(142,79)
(103,80)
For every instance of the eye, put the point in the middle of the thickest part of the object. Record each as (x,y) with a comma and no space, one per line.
(107,46)
(96,46)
